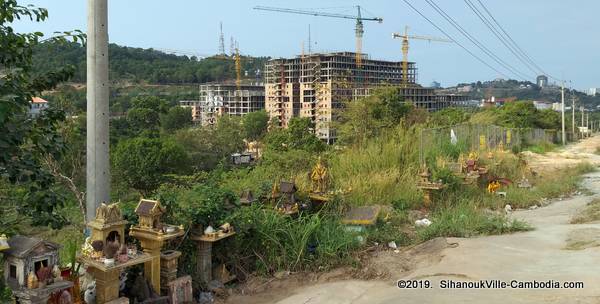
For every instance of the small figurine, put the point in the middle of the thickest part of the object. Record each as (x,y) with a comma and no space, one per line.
(56,273)
(43,276)
(90,293)
(98,247)
(111,249)
(65,298)
(86,249)
(123,257)
(209,230)
(226,228)
(132,251)
(318,177)
(32,281)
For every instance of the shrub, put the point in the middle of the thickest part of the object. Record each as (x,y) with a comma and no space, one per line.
(282,243)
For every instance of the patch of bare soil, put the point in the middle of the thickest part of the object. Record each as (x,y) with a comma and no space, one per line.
(580,239)
(378,263)
(389,263)
(572,155)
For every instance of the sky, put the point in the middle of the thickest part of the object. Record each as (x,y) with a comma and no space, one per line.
(561,37)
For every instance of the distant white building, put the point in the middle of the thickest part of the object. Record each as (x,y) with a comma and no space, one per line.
(543,105)
(557,106)
(464,89)
(593,91)
(225,99)
(37,106)
(542,81)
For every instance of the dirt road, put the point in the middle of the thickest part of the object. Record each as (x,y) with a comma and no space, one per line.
(535,255)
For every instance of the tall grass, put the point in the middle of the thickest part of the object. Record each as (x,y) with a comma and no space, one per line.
(283,243)
(466,219)
(549,187)
(381,171)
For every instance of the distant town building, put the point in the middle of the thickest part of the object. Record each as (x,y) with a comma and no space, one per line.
(317,85)
(465,89)
(225,99)
(497,102)
(593,91)
(37,106)
(542,81)
(557,106)
(542,105)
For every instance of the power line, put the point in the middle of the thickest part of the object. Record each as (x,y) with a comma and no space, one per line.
(455,41)
(476,42)
(496,33)
(509,37)
(515,43)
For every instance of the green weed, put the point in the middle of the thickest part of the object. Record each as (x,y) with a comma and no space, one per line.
(466,220)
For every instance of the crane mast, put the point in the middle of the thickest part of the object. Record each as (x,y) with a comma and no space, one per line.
(405,37)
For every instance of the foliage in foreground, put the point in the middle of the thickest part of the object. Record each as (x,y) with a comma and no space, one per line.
(310,241)
(25,141)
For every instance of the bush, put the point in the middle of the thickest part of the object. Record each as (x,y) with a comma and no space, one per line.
(282,243)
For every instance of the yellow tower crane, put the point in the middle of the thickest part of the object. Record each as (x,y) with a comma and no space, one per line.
(238,69)
(405,37)
(358,30)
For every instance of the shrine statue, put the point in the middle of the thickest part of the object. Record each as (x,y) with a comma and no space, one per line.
(319,177)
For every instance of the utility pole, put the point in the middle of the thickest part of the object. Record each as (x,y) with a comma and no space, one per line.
(97,156)
(562,100)
(573,120)
(581,108)
(587,122)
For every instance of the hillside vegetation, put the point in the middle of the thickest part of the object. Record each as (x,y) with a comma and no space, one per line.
(137,65)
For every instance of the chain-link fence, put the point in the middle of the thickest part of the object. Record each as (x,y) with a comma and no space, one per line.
(468,137)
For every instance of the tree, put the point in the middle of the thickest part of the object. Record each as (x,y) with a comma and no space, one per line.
(255,125)
(176,118)
(25,140)
(141,163)
(298,136)
(229,135)
(367,117)
(548,119)
(518,114)
(209,146)
(449,117)
(144,116)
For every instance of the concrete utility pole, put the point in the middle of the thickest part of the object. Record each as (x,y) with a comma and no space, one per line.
(97,165)
(587,122)
(573,120)
(562,100)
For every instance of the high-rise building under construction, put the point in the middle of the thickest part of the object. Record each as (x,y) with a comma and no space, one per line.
(317,85)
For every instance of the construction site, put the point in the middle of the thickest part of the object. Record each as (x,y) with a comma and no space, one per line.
(317,86)
(219,99)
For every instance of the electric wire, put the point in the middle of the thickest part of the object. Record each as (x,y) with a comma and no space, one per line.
(514,42)
(454,40)
(502,39)
(476,42)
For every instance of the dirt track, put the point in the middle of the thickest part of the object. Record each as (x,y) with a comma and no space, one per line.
(539,255)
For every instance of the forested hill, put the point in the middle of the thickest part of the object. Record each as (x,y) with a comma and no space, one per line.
(128,64)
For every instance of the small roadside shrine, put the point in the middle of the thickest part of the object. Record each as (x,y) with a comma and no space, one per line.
(28,270)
